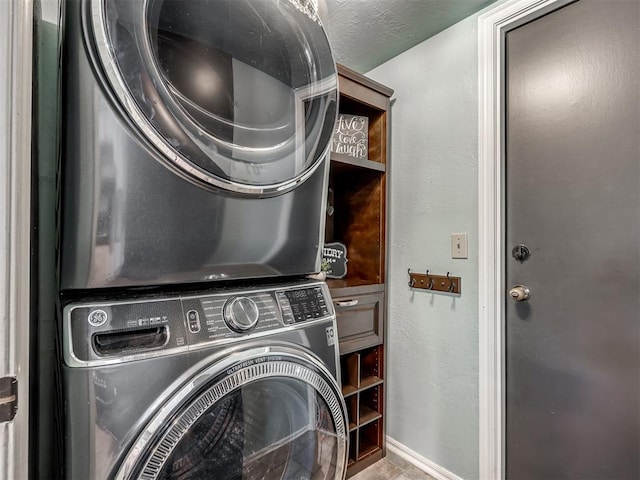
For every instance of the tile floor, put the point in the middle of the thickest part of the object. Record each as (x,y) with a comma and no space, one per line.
(392,467)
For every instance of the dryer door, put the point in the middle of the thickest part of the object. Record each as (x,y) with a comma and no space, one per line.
(264,414)
(235,94)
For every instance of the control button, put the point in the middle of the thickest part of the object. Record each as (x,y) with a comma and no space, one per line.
(193,320)
(241,314)
(97,318)
(285,309)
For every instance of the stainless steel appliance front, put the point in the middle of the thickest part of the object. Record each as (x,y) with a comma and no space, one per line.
(196,140)
(159,388)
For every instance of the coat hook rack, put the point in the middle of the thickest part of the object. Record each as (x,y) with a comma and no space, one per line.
(436,283)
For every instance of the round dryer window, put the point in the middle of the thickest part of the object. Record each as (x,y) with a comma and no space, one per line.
(276,416)
(239,94)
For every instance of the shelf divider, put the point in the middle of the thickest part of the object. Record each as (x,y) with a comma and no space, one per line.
(368,382)
(358,162)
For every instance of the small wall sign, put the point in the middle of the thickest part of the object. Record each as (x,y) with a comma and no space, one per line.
(351,136)
(334,260)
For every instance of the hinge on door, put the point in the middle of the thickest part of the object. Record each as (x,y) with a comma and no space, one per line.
(8,398)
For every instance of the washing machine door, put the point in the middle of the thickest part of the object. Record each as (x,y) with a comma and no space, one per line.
(238,95)
(272,414)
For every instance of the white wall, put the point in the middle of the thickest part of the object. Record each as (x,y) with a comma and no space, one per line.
(432,342)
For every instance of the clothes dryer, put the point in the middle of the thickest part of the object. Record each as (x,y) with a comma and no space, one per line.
(195,140)
(233,385)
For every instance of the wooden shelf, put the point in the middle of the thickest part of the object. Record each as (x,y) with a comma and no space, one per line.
(358,221)
(370,439)
(340,160)
(369,450)
(365,462)
(370,382)
(364,89)
(358,197)
(348,390)
(363,389)
(368,415)
(357,186)
(353,286)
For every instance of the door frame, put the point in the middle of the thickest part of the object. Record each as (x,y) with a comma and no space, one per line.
(492,28)
(16,47)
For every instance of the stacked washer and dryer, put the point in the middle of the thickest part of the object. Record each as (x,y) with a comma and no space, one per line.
(193,184)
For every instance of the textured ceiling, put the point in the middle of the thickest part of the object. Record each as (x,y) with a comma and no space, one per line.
(367,33)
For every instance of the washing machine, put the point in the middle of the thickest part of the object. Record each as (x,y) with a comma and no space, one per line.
(195,141)
(205,385)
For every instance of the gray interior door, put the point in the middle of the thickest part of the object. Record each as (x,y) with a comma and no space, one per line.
(573,199)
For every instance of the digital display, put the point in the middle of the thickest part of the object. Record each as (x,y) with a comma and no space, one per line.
(306,304)
(299,293)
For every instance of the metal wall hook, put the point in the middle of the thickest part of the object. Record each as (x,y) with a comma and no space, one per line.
(452,284)
(412,281)
(430,286)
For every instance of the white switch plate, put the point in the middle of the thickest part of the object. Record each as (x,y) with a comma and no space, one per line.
(459,245)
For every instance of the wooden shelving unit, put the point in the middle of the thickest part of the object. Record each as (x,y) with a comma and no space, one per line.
(363,390)
(359,200)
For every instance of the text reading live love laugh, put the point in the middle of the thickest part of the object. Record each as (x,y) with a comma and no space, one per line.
(351,136)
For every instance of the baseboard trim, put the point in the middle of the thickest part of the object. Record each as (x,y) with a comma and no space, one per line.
(424,464)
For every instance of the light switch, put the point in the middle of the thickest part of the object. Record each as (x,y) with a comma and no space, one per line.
(459,245)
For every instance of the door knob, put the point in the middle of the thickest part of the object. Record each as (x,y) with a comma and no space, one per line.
(520,293)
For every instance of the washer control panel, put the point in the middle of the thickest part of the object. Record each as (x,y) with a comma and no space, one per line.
(135,327)
(227,316)
(302,304)
(241,314)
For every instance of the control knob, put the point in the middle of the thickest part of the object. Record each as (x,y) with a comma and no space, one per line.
(241,314)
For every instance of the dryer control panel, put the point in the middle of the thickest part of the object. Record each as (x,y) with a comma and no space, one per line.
(128,329)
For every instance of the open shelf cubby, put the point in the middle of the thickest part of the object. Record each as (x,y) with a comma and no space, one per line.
(363,389)
(358,221)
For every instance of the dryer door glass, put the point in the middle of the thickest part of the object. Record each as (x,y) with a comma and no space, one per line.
(239,94)
(271,420)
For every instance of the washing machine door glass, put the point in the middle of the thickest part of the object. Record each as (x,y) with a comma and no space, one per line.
(238,94)
(270,417)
